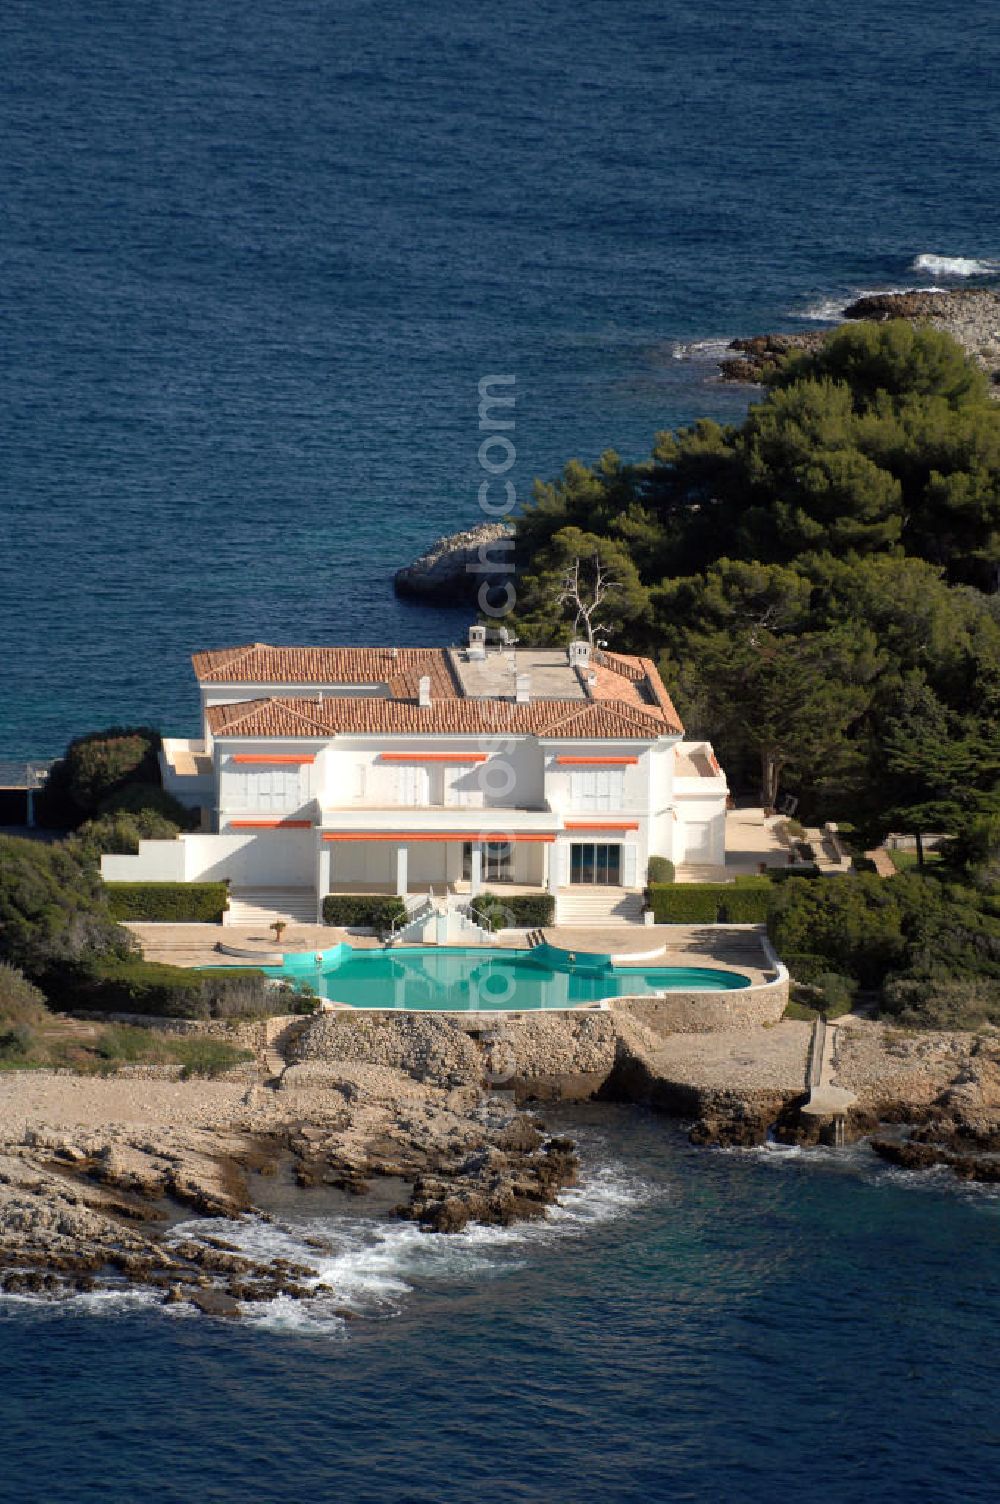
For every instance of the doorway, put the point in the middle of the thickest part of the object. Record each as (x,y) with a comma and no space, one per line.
(498,861)
(595,862)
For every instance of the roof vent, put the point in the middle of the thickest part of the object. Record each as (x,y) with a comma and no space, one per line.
(477,643)
(424,689)
(522,689)
(579,653)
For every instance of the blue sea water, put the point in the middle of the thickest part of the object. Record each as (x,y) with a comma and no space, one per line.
(257,256)
(691,1325)
(255,259)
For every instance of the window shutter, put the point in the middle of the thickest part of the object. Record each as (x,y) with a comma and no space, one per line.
(630,858)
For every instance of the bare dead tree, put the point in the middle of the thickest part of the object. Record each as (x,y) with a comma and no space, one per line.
(586,600)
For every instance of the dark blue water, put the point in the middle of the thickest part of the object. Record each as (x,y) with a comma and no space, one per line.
(695,1326)
(256,257)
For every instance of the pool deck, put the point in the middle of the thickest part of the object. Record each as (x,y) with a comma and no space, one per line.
(659,944)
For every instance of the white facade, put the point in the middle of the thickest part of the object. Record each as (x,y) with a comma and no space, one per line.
(374,787)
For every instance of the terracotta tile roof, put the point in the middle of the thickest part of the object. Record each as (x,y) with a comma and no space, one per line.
(619,679)
(259,663)
(607,720)
(643,675)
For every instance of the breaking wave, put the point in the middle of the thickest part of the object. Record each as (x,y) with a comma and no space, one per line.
(712,350)
(955,266)
(368,1269)
(830,310)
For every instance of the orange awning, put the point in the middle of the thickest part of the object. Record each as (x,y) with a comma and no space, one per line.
(293,758)
(602,825)
(602,762)
(432,757)
(270,824)
(406,836)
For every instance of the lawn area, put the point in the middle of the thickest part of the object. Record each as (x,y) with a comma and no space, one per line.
(906,861)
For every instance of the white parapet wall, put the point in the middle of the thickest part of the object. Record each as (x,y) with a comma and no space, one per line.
(271,858)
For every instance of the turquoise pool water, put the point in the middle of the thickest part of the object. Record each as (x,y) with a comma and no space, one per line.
(457,978)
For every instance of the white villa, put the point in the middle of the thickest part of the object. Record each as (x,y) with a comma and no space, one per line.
(400,770)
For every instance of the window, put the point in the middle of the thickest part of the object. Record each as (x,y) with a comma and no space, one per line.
(595,862)
(498,861)
(413,786)
(267,791)
(595,789)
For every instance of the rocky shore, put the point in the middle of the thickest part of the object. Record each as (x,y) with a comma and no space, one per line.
(455,567)
(96,1173)
(970,314)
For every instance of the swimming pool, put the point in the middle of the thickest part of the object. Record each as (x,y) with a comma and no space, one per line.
(431,978)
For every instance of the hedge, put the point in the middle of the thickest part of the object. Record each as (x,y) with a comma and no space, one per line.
(143,987)
(745,906)
(377,911)
(711,903)
(164,991)
(521,911)
(685,903)
(177,903)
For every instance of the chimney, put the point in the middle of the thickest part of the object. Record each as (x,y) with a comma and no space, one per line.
(424,689)
(579,653)
(522,689)
(477,643)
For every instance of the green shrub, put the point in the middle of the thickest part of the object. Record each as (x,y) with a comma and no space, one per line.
(177,903)
(659,869)
(17,1043)
(805,967)
(21,1002)
(942,1002)
(745,905)
(497,911)
(836,993)
(127,1045)
(94,768)
(152,799)
(151,987)
(855,924)
(145,987)
(54,917)
(201,1056)
(686,903)
(377,911)
(800,1011)
(119,834)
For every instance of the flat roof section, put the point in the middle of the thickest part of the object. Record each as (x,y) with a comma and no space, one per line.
(495,676)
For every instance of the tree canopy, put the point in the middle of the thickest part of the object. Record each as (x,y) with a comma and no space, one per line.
(819,583)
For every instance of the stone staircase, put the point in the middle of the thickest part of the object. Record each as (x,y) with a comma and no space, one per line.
(599,906)
(251,907)
(704,872)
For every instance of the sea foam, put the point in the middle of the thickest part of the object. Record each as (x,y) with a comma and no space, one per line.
(955,266)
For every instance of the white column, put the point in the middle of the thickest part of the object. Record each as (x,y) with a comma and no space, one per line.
(552,863)
(401,855)
(324,875)
(476,879)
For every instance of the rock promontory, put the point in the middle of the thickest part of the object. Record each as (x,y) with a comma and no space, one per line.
(971,315)
(454,567)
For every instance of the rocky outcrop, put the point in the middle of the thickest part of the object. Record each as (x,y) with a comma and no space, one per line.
(761,353)
(453,569)
(970,314)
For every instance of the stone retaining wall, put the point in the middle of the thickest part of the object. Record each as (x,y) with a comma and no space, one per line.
(708,1012)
